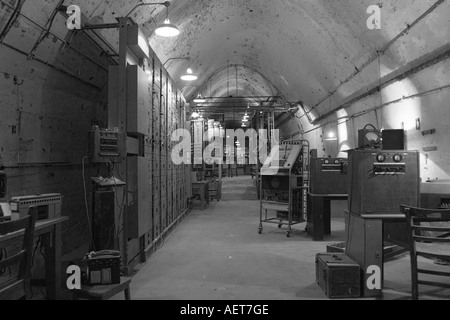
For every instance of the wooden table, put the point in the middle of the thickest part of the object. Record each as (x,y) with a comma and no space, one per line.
(319,214)
(51,231)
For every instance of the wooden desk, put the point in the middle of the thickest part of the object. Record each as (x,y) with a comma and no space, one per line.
(365,243)
(319,214)
(51,231)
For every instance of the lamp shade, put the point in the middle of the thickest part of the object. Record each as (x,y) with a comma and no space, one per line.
(167,29)
(189,76)
(199,99)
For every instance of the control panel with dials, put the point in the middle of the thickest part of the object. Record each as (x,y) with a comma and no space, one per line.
(381,181)
(390,163)
(334,164)
(329,176)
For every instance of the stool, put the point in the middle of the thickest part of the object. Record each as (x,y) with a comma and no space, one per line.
(103,292)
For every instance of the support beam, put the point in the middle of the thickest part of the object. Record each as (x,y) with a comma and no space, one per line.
(122,125)
(240,109)
(101,26)
(408,70)
(262,98)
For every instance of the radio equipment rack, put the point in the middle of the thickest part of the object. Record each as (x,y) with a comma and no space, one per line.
(284,186)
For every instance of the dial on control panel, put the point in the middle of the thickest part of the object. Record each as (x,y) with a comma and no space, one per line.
(398,158)
(381,158)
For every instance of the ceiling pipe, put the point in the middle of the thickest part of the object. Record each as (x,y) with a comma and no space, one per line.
(167,4)
(411,68)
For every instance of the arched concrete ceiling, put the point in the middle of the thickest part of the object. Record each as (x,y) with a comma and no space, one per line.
(234,80)
(298,49)
(303,47)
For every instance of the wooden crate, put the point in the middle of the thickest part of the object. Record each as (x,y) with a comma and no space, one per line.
(338,275)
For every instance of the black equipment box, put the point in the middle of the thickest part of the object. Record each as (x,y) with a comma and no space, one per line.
(329,176)
(103,203)
(2,184)
(393,139)
(103,269)
(338,275)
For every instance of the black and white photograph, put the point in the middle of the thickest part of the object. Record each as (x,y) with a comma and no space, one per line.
(225,158)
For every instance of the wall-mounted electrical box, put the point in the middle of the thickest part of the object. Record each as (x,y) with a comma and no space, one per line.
(137,42)
(139,104)
(105,146)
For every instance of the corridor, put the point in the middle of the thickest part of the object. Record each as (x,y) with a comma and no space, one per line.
(217,254)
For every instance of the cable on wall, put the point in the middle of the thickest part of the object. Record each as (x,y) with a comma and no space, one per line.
(67,43)
(380,125)
(12,19)
(46,32)
(359,114)
(381,51)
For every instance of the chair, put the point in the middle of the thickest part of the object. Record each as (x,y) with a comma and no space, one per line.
(18,287)
(103,292)
(427,235)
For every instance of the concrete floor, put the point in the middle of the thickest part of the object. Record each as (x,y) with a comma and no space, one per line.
(217,254)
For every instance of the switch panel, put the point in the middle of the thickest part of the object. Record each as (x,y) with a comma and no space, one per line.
(389,168)
(105,146)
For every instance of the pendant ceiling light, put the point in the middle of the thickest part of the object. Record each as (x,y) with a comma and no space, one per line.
(189,76)
(199,99)
(167,29)
(331,137)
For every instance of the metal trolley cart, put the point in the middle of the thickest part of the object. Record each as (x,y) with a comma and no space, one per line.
(284,187)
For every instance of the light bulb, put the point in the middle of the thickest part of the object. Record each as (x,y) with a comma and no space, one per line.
(189,76)
(167,29)
(195,115)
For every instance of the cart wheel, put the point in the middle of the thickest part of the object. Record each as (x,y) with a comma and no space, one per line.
(288,234)
(280,226)
(260,230)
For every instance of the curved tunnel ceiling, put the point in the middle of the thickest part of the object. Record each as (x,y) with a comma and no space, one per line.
(300,50)
(304,47)
(236,81)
